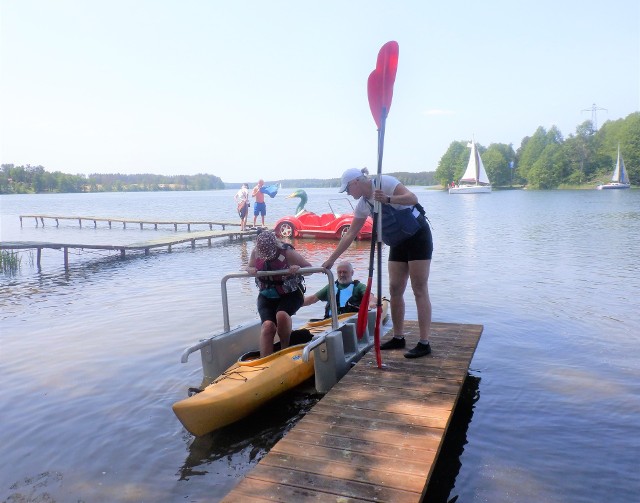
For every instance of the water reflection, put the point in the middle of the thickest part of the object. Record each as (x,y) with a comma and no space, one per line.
(238,447)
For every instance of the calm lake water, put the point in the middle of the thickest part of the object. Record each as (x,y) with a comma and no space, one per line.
(90,359)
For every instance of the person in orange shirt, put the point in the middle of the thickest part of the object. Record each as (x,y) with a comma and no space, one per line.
(260,207)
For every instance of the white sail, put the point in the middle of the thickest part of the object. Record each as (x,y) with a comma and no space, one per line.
(475,173)
(620,173)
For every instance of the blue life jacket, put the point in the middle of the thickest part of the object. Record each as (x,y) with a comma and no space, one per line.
(346,300)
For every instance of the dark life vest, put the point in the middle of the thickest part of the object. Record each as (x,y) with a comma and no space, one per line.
(282,284)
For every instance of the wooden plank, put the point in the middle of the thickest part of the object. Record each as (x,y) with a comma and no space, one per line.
(376,435)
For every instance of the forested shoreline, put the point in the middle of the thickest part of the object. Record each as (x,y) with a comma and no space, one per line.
(545,160)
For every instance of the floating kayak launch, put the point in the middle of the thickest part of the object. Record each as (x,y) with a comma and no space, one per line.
(236,381)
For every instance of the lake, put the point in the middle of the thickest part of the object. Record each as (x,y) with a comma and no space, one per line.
(91,357)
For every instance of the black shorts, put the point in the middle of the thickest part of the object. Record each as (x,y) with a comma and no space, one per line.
(417,247)
(289,303)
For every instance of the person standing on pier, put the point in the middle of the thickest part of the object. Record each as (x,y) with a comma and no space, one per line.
(242,200)
(259,206)
(280,297)
(406,231)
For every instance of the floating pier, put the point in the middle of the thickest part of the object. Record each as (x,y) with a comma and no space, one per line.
(377,434)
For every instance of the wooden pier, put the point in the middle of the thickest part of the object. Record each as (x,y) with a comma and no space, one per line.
(377,434)
(146,246)
(40,219)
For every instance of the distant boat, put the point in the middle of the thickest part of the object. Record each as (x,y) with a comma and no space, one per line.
(620,177)
(475,179)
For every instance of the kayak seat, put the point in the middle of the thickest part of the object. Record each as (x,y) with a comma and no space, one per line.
(300,336)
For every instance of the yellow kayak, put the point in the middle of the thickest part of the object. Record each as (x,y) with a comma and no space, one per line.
(251,382)
(242,388)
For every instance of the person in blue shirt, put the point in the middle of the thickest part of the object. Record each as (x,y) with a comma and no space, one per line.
(349,292)
(406,231)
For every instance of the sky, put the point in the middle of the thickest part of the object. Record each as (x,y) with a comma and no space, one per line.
(278,89)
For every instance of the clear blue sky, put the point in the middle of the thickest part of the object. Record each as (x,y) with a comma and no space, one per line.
(277,89)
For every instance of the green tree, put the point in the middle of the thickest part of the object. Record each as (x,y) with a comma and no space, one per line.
(453,163)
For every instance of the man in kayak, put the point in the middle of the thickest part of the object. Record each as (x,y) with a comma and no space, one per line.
(406,231)
(349,292)
(280,296)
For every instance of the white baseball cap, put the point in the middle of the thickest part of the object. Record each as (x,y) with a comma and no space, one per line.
(348,176)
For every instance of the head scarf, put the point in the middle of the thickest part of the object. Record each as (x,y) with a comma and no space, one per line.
(266,245)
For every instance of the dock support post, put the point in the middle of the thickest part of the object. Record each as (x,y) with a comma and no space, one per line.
(188,227)
(21,221)
(80,222)
(41,220)
(146,251)
(121,252)
(124,225)
(209,240)
(140,225)
(39,254)
(193,243)
(66,258)
(210,225)
(156,226)
(95,224)
(175,227)
(57,223)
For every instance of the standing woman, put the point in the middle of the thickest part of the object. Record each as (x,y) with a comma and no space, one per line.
(242,200)
(280,297)
(406,230)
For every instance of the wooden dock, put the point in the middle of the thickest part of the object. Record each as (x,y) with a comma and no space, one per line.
(146,246)
(377,434)
(40,219)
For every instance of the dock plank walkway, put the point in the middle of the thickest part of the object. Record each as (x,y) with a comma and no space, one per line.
(162,242)
(40,219)
(377,434)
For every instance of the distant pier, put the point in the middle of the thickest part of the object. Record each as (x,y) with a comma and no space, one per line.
(40,219)
(146,246)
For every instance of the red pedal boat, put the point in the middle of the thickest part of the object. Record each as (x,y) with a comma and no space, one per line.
(306,224)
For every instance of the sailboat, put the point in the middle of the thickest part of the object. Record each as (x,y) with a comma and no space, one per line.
(475,179)
(620,177)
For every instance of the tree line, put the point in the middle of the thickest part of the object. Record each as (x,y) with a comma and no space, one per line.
(547,160)
(544,160)
(35,179)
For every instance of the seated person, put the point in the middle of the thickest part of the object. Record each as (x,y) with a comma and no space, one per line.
(349,292)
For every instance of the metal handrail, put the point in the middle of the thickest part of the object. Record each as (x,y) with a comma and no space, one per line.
(281,272)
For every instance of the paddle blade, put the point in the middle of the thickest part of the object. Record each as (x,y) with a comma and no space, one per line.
(374,92)
(363,312)
(387,65)
(381,80)
(376,335)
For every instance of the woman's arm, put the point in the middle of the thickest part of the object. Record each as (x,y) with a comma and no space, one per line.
(345,242)
(401,195)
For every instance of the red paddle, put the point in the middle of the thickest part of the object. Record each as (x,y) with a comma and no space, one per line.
(380,94)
